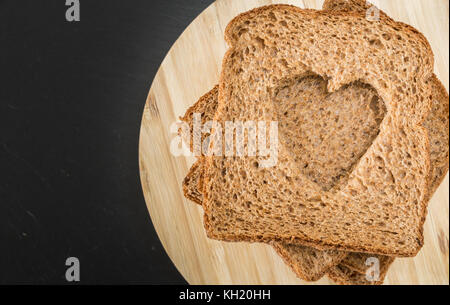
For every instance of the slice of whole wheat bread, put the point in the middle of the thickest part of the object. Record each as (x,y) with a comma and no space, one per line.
(394,191)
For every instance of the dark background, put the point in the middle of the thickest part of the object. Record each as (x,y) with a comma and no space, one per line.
(71,100)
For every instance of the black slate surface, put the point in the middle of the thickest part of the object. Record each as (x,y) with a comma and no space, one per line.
(71,100)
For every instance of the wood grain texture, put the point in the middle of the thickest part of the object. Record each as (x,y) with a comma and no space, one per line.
(192,68)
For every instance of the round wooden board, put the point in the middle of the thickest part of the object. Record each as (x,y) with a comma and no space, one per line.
(192,68)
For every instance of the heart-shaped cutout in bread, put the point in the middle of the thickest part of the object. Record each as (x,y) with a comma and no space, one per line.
(327,133)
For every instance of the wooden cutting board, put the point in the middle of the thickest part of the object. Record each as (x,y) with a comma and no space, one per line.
(192,68)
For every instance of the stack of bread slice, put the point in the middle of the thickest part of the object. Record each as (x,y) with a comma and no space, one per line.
(363,139)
